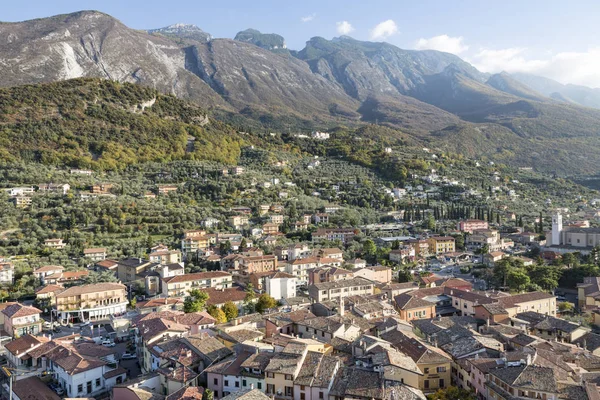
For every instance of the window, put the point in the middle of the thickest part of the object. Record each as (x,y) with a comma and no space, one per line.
(289,378)
(244,383)
(320,395)
(217,394)
(465,306)
(98,382)
(409,315)
(289,391)
(226,382)
(426,370)
(270,388)
(302,396)
(301,387)
(259,385)
(270,375)
(441,369)
(215,381)
(79,388)
(441,383)
(426,383)
(237,384)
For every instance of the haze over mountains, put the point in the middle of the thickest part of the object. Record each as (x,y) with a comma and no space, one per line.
(436,97)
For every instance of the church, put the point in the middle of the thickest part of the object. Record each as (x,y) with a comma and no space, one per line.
(571,238)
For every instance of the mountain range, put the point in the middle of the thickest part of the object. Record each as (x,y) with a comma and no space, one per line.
(437,98)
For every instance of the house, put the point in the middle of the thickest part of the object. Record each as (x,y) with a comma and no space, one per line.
(95,254)
(218,297)
(278,285)
(180,285)
(61,278)
(158,305)
(237,170)
(492,258)
(549,327)
(237,221)
(164,190)
(328,274)
(523,381)
(32,388)
(90,302)
(319,292)
(321,218)
(270,228)
(276,219)
(54,244)
(131,269)
(402,254)
(162,255)
(470,225)
(299,250)
(410,307)
(377,273)
(20,320)
(22,201)
(7,271)
(394,289)
(332,252)
(102,188)
(57,188)
(588,293)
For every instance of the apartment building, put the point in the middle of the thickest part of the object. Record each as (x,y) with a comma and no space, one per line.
(441,244)
(90,302)
(332,234)
(278,285)
(131,269)
(375,273)
(180,286)
(319,292)
(470,225)
(54,244)
(7,271)
(270,228)
(237,221)
(251,265)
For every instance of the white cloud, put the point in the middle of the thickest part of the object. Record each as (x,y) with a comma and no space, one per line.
(444,43)
(308,18)
(344,27)
(384,29)
(581,68)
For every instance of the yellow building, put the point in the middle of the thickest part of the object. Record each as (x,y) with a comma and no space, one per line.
(441,244)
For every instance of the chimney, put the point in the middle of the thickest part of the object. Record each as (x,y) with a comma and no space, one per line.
(252,386)
(342,311)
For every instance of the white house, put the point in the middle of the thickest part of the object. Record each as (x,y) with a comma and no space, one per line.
(281,285)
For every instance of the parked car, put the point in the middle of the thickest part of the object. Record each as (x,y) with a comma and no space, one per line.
(57,389)
(57,329)
(108,343)
(128,356)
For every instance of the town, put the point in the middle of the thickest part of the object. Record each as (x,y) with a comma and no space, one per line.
(447,293)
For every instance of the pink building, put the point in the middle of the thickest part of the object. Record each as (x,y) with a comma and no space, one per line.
(470,225)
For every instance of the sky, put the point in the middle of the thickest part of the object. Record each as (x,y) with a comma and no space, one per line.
(556,39)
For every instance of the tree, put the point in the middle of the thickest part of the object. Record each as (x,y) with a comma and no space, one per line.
(196,301)
(217,314)
(243,244)
(265,302)
(230,310)
(430,222)
(395,245)
(208,395)
(369,248)
(404,275)
(565,307)
(133,302)
(249,299)
(452,393)
(569,260)
(518,279)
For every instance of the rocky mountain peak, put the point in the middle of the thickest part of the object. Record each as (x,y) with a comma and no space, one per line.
(268,41)
(183,31)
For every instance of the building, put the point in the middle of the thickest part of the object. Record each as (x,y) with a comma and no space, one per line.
(54,244)
(20,320)
(7,271)
(524,381)
(180,286)
(332,234)
(402,254)
(319,292)
(95,254)
(470,225)
(92,302)
(328,274)
(166,189)
(441,244)
(237,221)
(410,308)
(572,238)
(251,265)
(278,285)
(270,228)
(588,293)
(22,201)
(377,273)
(131,269)
(56,188)
(162,255)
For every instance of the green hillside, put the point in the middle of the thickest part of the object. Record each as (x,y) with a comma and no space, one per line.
(93,123)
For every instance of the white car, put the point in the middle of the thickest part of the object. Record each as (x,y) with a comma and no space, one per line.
(108,343)
(128,356)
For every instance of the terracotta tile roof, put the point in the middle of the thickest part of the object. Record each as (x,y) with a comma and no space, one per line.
(195,318)
(159,302)
(512,301)
(150,328)
(199,276)
(33,388)
(19,310)
(75,363)
(93,288)
(187,393)
(110,264)
(49,289)
(24,343)
(250,394)
(406,302)
(49,268)
(93,250)
(179,374)
(115,372)
(217,297)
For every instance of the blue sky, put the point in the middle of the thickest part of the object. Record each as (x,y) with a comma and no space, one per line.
(557,39)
